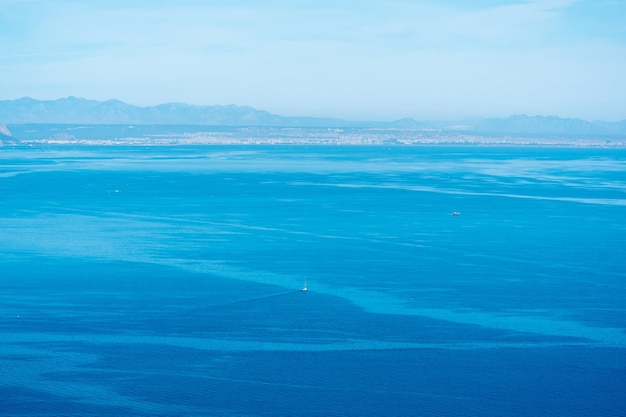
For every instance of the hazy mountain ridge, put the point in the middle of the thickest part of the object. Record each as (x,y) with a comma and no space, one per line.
(72,110)
(549,125)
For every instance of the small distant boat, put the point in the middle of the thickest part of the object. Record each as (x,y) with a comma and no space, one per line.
(304,288)
(456,213)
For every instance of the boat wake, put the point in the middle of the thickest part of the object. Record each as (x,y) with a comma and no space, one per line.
(255,299)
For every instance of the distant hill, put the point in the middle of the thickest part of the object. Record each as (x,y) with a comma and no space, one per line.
(549,126)
(72,110)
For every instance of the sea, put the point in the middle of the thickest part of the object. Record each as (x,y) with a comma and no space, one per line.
(441,281)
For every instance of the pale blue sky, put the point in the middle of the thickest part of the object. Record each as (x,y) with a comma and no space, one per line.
(361,59)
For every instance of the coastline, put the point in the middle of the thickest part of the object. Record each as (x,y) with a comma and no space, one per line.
(177,135)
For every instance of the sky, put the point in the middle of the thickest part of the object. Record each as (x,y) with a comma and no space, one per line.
(352,59)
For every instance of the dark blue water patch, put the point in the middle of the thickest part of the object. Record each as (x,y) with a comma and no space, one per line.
(100,297)
(26,401)
(513,382)
(129,298)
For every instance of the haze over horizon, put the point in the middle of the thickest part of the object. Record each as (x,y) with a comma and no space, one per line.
(369,60)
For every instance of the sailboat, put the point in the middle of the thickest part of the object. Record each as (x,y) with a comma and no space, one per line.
(304,288)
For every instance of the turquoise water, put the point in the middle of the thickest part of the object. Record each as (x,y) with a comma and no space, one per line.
(166,281)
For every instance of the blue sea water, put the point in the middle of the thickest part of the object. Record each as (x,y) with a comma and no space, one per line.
(165,281)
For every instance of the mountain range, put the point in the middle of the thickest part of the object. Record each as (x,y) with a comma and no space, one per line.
(72,110)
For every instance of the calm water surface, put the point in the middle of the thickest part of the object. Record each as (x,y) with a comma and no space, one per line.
(166,281)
